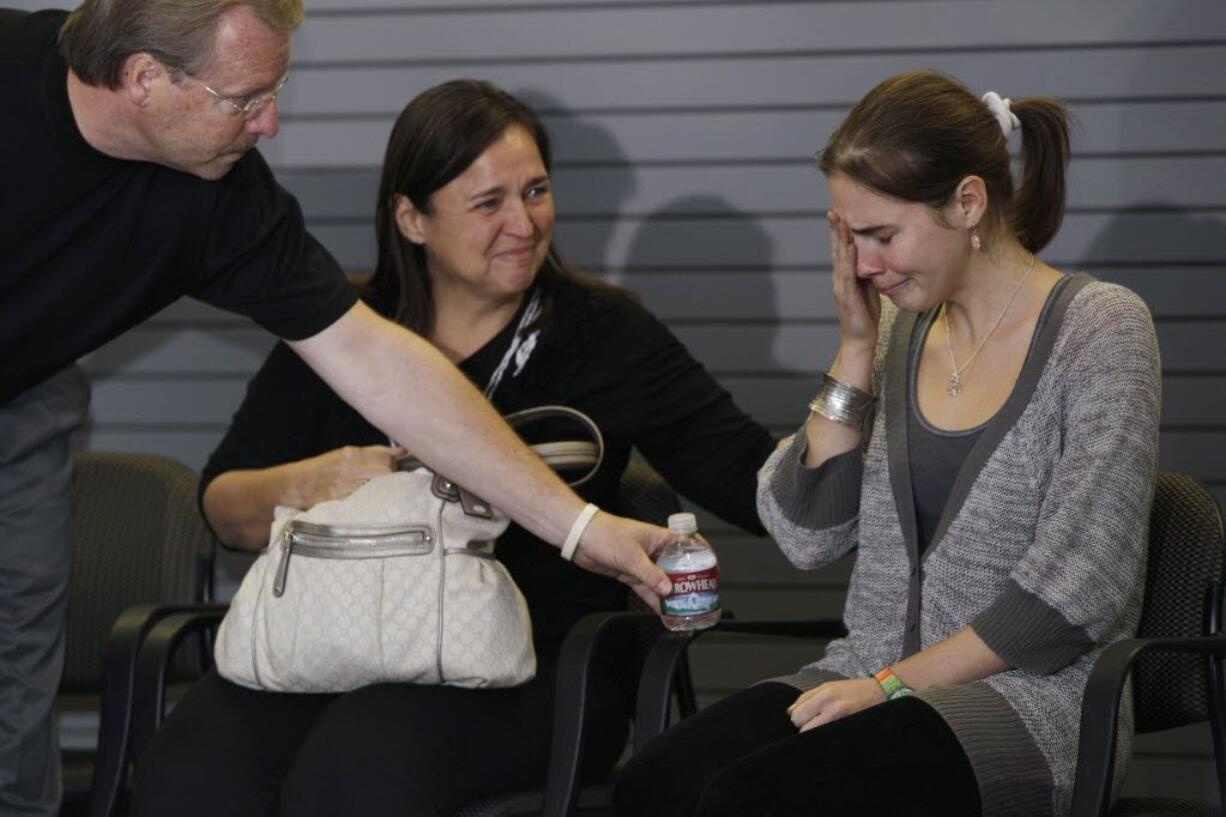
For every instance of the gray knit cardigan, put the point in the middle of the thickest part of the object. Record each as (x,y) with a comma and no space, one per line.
(1041,547)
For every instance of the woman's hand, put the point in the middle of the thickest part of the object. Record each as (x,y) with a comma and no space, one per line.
(857,301)
(239,504)
(833,700)
(338,473)
(859,309)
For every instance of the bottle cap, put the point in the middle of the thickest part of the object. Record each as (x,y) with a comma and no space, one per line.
(681,523)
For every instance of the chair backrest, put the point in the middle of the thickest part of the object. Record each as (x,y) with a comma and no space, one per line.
(137,538)
(1185,560)
(643,494)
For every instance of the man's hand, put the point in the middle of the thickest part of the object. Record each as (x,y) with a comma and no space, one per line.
(624,548)
(833,700)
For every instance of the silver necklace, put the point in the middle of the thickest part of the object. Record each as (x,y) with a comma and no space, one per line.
(955,381)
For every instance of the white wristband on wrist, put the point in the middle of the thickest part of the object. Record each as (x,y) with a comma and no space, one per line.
(576,531)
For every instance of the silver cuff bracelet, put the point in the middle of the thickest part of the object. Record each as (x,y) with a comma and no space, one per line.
(842,403)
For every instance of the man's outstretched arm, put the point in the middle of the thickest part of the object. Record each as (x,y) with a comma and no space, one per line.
(407,389)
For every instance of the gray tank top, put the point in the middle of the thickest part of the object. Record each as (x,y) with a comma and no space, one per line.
(935,456)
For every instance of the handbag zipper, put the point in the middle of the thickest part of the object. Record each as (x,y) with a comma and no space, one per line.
(332,542)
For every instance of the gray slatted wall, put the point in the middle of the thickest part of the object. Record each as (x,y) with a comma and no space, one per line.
(684,136)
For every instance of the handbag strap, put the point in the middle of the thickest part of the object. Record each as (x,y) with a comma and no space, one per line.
(559,455)
(570,453)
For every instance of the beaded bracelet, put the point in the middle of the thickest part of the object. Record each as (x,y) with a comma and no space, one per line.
(842,403)
(891,685)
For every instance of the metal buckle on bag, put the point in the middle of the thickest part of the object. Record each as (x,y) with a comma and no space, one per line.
(558,455)
(472,504)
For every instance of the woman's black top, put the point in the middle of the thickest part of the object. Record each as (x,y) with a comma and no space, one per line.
(599,352)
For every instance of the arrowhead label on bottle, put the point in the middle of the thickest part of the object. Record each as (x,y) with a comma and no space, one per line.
(693,593)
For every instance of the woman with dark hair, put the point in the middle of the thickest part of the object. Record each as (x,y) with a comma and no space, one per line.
(985,442)
(466,258)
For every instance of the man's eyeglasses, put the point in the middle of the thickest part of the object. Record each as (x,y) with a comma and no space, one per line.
(246,106)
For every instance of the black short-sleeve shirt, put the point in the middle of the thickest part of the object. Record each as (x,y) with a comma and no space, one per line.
(91,245)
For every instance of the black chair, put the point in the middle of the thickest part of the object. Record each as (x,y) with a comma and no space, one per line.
(1175,662)
(643,494)
(137,539)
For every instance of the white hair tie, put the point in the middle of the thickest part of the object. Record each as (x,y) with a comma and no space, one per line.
(1000,109)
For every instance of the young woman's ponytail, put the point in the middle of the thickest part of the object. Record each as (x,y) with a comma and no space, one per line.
(1038,203)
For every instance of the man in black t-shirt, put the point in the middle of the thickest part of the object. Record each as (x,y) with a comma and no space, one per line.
(128,179)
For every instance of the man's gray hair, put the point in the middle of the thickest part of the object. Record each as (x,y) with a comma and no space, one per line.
(100,35)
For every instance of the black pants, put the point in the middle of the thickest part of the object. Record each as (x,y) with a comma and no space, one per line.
(743,757)
(387,749)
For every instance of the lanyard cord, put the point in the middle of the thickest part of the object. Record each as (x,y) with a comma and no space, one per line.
(520,348)
(518,343)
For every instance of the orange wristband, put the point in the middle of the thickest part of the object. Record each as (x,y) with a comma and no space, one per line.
(891,685)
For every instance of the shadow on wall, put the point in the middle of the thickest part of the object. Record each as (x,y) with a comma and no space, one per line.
(1172,257)
(706,267)
(593,180)
(1159,233)
(700,264)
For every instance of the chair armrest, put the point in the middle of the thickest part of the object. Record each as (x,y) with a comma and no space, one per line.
(153,659)
(1100,713)
(570,702)
(115,718)
(821,629)
(660,668)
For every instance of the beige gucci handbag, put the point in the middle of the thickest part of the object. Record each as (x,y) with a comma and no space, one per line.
(396,582)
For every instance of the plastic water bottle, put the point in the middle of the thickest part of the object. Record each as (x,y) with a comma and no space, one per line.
(691,567)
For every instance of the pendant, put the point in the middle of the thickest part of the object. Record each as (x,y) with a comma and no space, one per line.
(955,385)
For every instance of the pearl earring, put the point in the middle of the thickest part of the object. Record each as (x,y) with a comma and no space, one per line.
(976,244)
